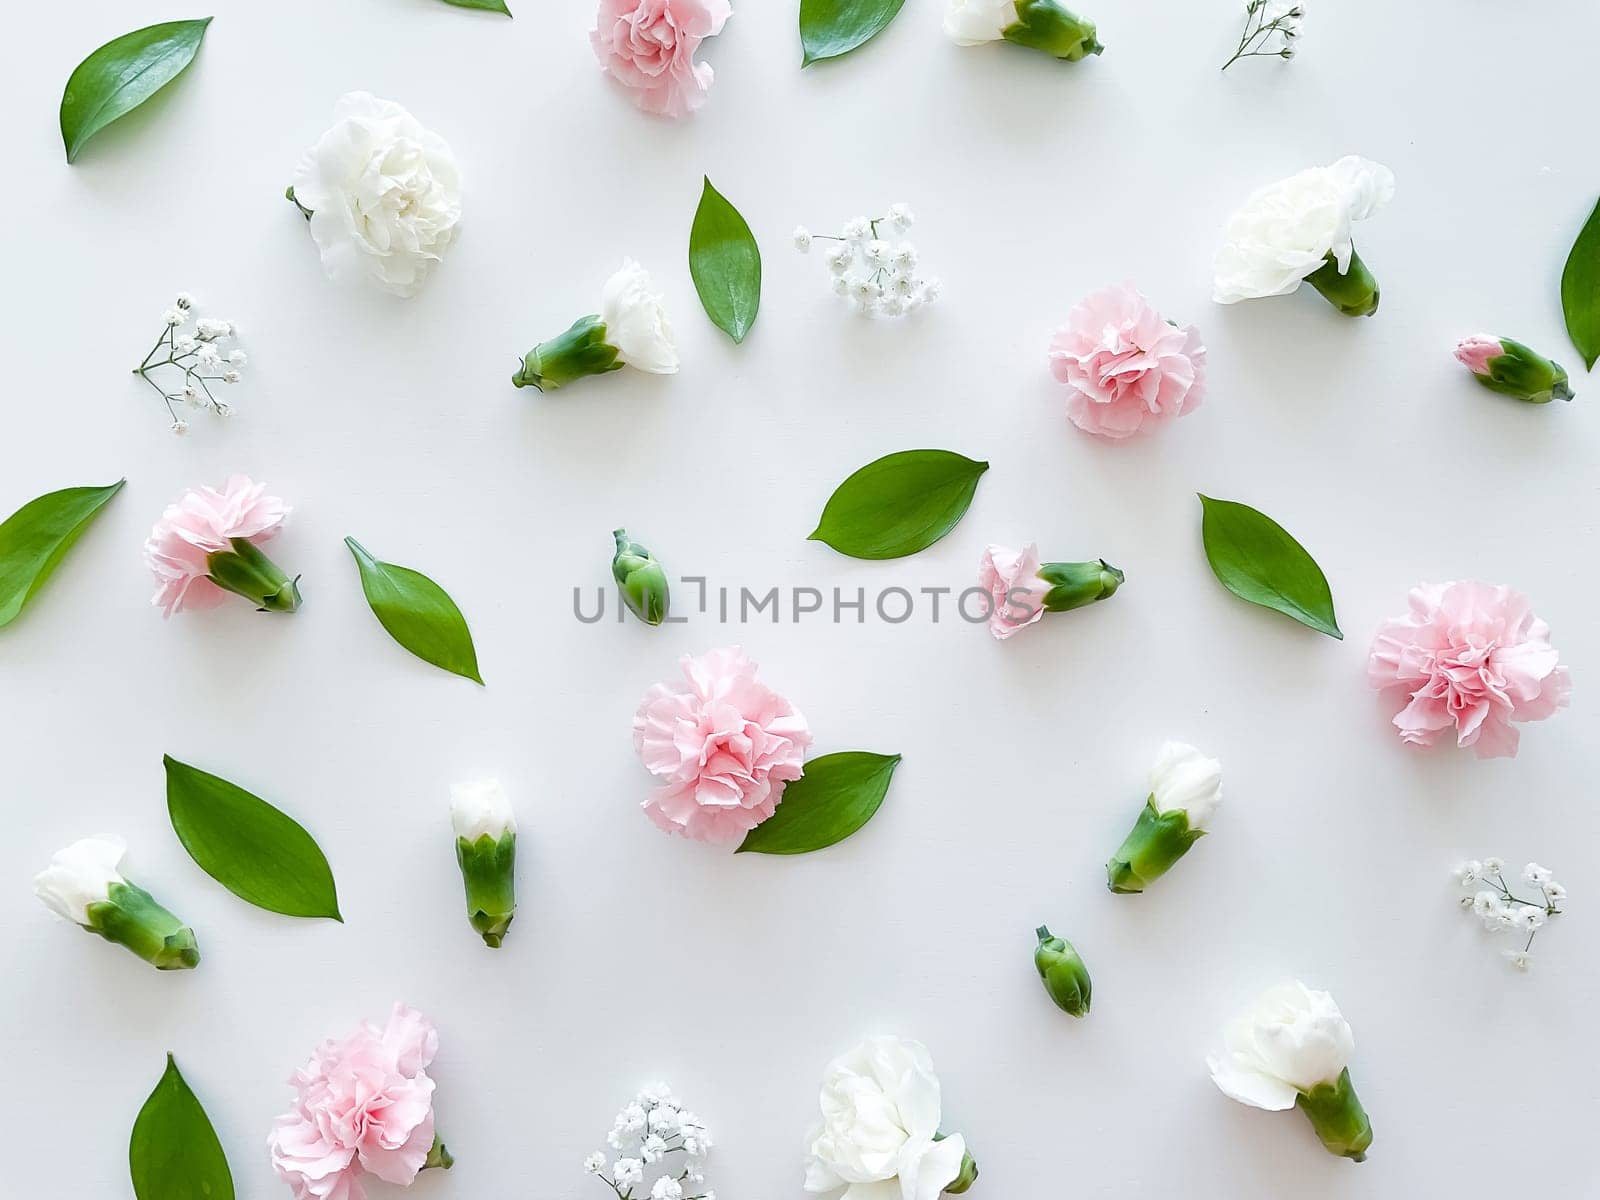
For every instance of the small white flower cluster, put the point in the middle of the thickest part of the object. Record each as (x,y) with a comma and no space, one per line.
(879,277)
(196,358)
(1492,902)
(648,1132)
(1271,29)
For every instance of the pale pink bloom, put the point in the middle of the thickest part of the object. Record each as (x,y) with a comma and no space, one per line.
(202,522)
(1472,657)
(1128,367)
(1016,593)
(365,1106)
(1475,352)
(723,746)
(650,46)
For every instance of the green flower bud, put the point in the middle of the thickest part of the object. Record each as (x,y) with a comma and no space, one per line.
(1158,840)
(246,571)
(1512,369)
(1337,1116)
(130,916)
(1353,292)
(641,578)
(1046,25)
(1065,977)
(1073,585)
(581,350)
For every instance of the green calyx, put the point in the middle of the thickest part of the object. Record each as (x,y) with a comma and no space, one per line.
(129,916)
(489,870)
(1337,1116)
(246,571)
(1045,25)
(581,350)
(1354,293)
(1074,585)
(1064,975)
(1526,374)
(641,578)
(1157,841)
(966,1177)
(439,1155)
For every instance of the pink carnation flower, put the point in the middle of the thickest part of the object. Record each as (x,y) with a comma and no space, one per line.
(365,1106)
(1016,593)
(202,522)
(650,46)
(1472,657)
(1128,367)
(723,747)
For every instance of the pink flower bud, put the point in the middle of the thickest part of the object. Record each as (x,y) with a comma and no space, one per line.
(1475,352)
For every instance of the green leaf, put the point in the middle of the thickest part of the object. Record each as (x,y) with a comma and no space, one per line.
(829,28)
(838,794)
(256,852)
(498,6)
(725,263)
(899,504)
(418,614)
(1257,560)
(1580,291)
(174,1153)
(36,537)
(123,74)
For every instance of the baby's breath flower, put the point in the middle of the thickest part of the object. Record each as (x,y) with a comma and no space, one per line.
(174,317)
(180,427)
(595,1163)
(185,301)
(189,363)
(802,238)
(857,229)
(626,1172)
(901,217)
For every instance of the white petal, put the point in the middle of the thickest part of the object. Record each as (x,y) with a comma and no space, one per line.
(1250,1087)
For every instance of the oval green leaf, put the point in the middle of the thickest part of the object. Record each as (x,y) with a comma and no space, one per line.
(256,852)
(838,794)
(123,74)
(1257,560)
(174,1153)
(498,6)
(1580,291)
(829,28)
(36,537)
(899,504)
(725,263)
(418,614)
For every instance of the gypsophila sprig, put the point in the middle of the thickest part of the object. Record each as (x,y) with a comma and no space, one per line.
(879,277)
(654,1136)
(1271,30)
(188,359)
(1491,900)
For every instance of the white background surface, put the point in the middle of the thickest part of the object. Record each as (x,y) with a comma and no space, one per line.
(738,978)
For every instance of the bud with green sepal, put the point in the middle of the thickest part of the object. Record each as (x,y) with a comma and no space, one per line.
(1293,1050)
(1038,24)
(641,578)
(1074,585)
(631,330)
(486,849)
(245,571)
(439,1156)
(1512,369)
(1185,793)
(1064,975)
(84,884)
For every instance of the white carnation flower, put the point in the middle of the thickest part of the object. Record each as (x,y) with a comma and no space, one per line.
(384,195)
(1289,229)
